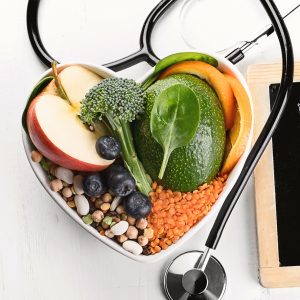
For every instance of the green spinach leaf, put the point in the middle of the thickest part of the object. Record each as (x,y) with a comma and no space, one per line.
(175,58)
(174,120)
(37,89)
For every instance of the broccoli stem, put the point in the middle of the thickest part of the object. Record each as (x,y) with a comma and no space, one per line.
(123,131)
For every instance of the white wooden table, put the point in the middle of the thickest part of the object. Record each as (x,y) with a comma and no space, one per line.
(43,253)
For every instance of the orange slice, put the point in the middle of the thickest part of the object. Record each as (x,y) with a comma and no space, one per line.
(239,134)
(214,78)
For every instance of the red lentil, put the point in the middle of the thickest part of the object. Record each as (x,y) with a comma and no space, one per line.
(174,213)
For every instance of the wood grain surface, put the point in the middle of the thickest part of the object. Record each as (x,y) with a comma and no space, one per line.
(259,78)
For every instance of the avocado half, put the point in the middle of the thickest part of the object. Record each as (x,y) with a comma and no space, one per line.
(199,161)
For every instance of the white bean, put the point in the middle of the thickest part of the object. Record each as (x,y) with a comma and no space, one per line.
(64,174)
(115,203)
(77,184)
(119,228)
(82,205)
(132,247)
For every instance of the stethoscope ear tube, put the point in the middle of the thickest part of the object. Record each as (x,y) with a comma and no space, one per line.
(269,128)
(34,35)
(145,53)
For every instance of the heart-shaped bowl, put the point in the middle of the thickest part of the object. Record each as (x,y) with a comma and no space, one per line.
(224,66)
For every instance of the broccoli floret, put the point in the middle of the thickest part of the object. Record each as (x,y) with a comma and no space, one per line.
(118,101)
(120,98)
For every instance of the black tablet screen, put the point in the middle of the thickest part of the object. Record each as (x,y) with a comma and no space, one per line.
(286,155)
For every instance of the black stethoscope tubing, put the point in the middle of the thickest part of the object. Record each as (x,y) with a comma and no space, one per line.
(147,54)
(269,127)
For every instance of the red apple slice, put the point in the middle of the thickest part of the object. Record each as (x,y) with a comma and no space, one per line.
(58,133)
(77,81)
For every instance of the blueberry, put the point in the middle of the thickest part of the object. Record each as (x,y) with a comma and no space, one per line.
(108,147)
(137,205)
(120,181)
(94,185)
(114,169)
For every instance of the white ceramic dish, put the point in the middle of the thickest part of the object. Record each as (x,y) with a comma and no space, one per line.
(225,66)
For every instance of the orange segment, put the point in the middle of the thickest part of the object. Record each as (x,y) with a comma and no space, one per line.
(239,134)
(215,78)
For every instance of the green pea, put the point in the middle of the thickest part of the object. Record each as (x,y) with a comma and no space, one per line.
(107,220)
(87,219)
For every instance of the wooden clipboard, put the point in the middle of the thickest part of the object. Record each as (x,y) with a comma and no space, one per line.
(271,273)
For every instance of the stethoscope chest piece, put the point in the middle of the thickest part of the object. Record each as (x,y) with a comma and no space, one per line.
(183,280)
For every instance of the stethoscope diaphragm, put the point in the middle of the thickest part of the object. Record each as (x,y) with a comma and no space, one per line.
(178,270)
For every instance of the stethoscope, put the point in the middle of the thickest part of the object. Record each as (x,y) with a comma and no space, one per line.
(197,274)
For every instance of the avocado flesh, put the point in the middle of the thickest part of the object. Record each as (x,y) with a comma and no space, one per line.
(199,161)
